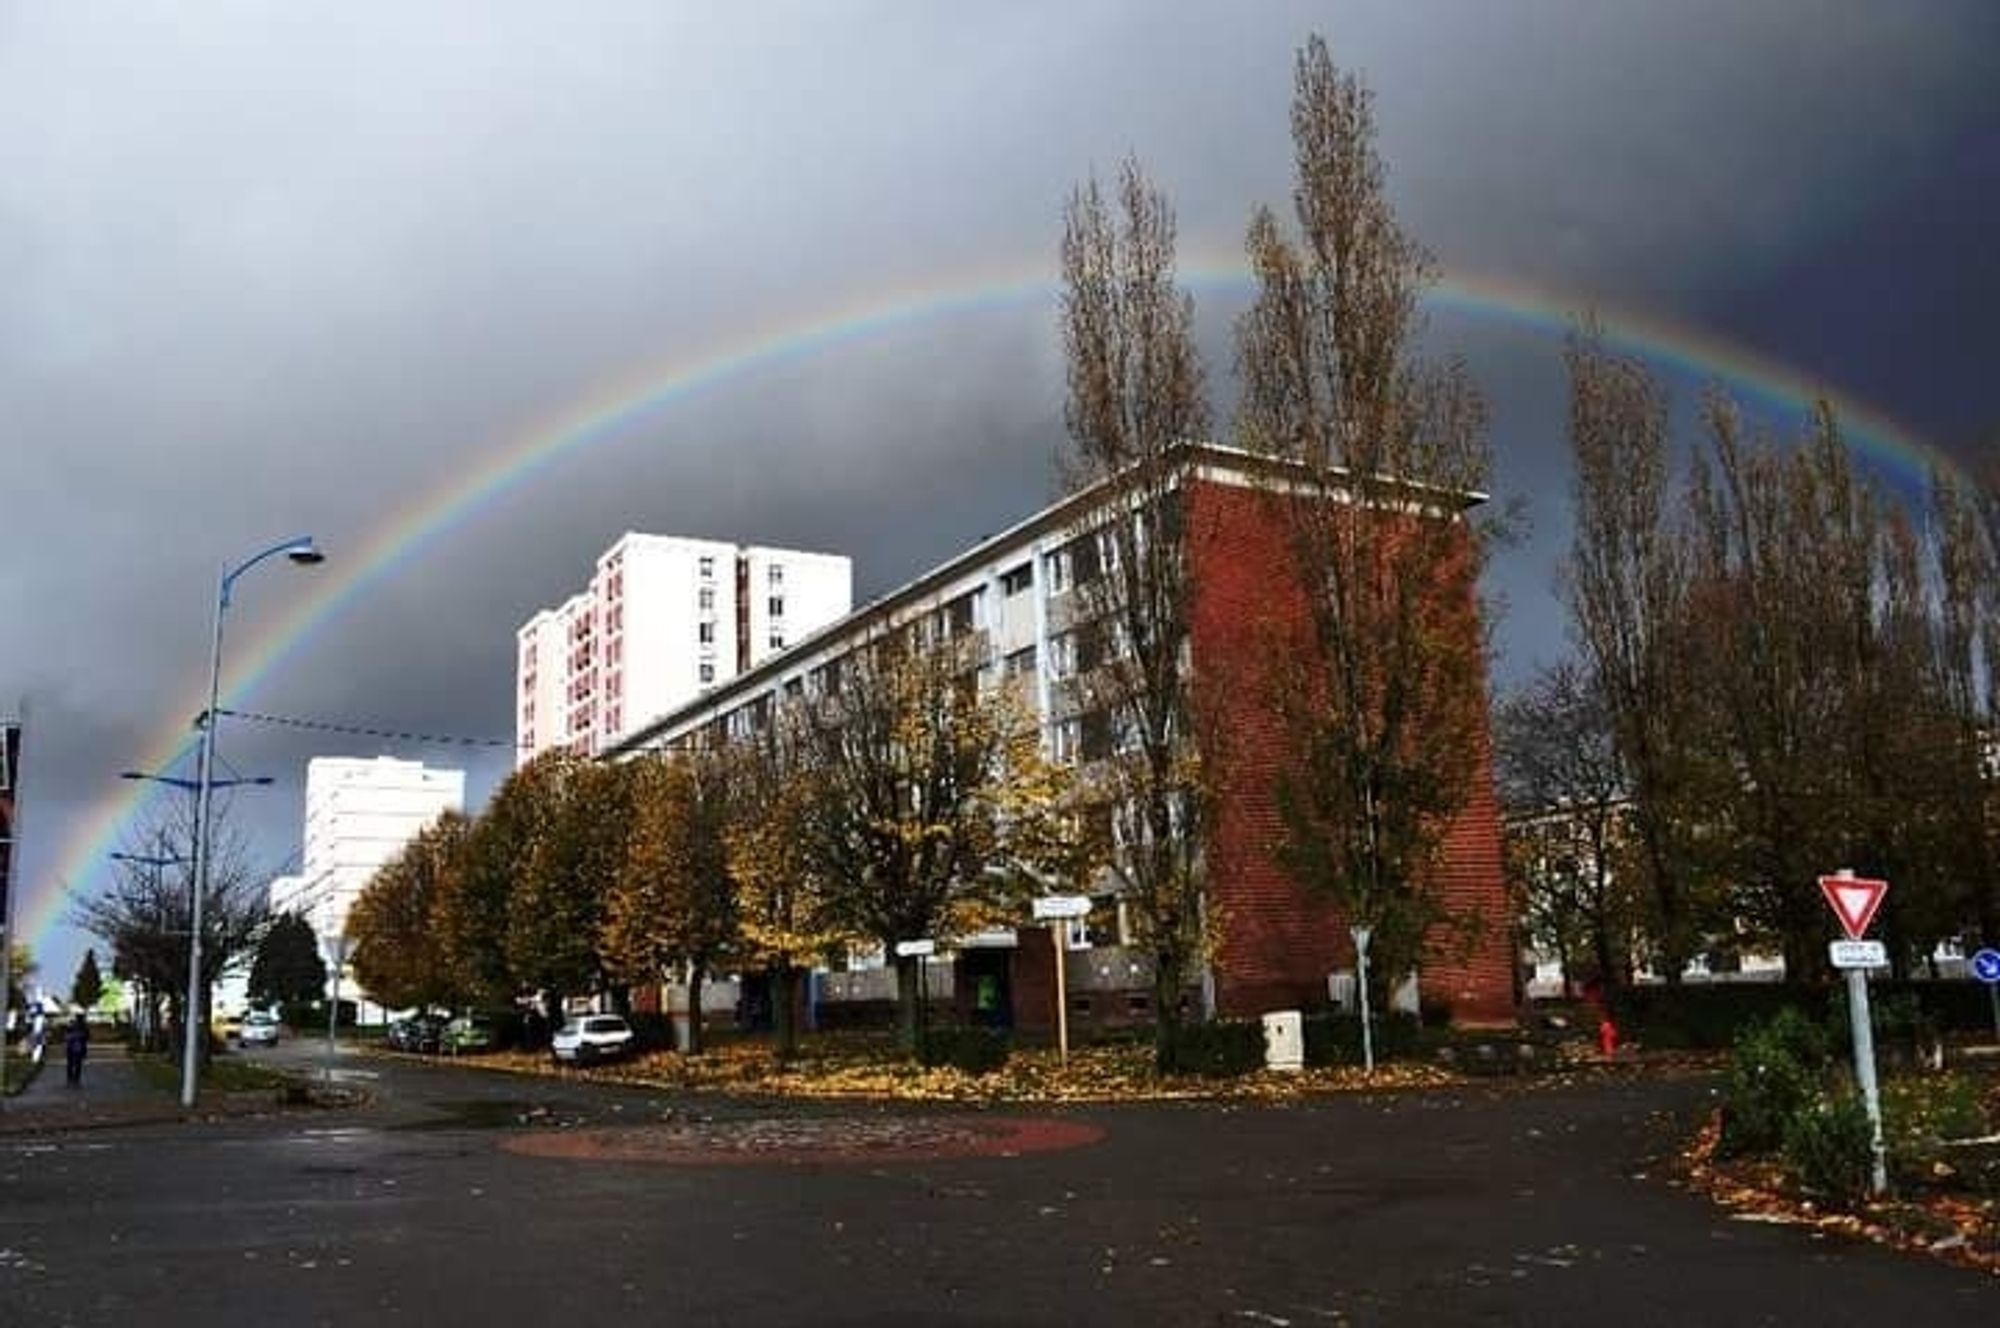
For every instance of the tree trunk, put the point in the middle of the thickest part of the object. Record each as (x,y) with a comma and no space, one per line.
(1166,1010)
(696,972)
(784,1016)
(906,1004)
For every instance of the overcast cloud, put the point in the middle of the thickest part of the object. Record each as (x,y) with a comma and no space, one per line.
(267,269)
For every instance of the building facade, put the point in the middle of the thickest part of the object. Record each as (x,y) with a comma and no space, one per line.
(664,619)
(360,813)
(1017,595)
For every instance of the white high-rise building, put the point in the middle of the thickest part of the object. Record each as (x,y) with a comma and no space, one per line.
(359,814)
(664,619)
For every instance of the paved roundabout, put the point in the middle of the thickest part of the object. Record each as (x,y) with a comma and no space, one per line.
(832,1140)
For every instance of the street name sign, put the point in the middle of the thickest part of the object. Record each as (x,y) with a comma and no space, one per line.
(1853,900)
(1859,954)
(1051,907)
(915,949)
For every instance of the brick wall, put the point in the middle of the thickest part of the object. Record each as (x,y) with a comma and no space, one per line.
(1278,945)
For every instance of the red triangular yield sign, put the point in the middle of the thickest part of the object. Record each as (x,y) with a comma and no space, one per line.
(1854,900)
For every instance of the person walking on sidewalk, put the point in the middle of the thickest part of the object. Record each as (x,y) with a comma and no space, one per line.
(76,1045)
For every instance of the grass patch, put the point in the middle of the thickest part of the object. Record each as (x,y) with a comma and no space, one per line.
(21,1072)
(163,1073)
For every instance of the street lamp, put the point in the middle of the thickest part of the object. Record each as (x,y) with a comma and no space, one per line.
(301,550)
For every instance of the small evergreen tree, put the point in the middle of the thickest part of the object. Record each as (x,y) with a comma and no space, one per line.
(288,969)
(88,988)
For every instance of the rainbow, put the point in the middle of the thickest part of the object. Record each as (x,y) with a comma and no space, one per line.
(650,390)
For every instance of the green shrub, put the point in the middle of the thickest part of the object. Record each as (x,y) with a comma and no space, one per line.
(1335,1039)
(1920,1113)
(1828,1149)
(972,1050)
(1217,1051)
(1708,1015)
(1778,1068)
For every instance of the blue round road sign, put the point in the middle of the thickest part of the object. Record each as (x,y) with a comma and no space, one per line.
(1986,965)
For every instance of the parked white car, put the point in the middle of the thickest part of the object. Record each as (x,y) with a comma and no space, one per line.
(258,1030)
(591,1037)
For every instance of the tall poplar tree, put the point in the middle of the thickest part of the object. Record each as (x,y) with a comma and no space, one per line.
(1382,692)
(1135,399)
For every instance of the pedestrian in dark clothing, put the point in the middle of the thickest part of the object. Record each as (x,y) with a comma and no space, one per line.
(76,1045)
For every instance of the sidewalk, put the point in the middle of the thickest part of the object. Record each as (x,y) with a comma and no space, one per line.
(111,1094)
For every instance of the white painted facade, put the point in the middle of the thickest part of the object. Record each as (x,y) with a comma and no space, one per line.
(664,619)
(359,814)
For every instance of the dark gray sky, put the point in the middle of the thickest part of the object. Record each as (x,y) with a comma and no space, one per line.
(268,269)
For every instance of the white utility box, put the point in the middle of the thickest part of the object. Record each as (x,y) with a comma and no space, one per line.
(1285,1040)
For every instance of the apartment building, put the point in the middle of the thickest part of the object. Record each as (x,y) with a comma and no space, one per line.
(360,812)
(1016,593)
(664,619)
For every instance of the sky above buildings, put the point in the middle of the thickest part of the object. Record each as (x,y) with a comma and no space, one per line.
(466,291)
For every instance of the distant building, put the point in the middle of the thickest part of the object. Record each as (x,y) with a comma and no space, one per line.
(360,813)
(664,619)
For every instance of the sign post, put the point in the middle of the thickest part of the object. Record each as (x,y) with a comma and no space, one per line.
(1986,967)
(1361,935)
(1854,901)
(921,951)
(1060,909)
(10,769)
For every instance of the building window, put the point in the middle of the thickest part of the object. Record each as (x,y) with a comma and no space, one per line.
(707,565)
(777,606)
(1068,740)
(777,640)
(1015,580)
(1107,550)
(776,575)
(1062,655)
(708,670)
(1057,568)
(1020,663)
(705,633)
(707,600)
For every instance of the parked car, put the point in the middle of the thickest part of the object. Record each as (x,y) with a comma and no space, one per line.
(420,1032)
(591,1037)
(469,1032)
(258,1030)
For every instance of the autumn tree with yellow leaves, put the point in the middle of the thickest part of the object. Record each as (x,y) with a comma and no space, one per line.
(926,807)
(784,920)
(673,907)
(399,951)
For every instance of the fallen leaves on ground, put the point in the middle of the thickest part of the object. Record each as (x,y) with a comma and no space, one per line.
(1093,1074)
(1962,1229)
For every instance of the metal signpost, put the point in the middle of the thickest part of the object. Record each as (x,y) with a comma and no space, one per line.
(1060,909)
(338,945)
(1986,967)
(1361,935)
(921,951)
(1854,901)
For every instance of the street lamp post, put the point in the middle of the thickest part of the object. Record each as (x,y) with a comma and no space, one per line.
(299,549)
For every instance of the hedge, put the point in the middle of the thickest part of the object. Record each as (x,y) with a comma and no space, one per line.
(1710,1014)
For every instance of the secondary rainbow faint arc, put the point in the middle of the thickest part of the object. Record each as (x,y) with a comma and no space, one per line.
(608,412)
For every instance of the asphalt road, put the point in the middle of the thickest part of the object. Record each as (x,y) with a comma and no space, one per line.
(1453,1208)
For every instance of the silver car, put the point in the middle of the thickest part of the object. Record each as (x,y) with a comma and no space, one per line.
(258,1030)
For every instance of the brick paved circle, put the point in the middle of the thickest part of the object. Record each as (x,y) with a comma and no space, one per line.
(831,1140)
